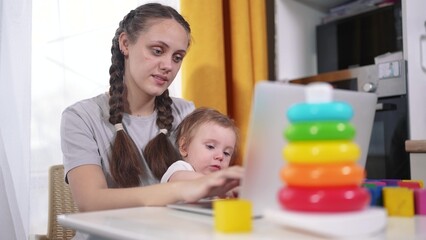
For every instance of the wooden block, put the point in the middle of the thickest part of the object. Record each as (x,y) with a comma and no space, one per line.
(375,182)
(416,180)
(411,185)
(376,195)
(398,201)
(391,182)
(420,201)
(232,216)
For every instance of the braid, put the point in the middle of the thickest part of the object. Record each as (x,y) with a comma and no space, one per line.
(163,105)
(125,161)
(160,152)
(116,89)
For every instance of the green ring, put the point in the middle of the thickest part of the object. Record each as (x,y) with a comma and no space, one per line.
(313,131)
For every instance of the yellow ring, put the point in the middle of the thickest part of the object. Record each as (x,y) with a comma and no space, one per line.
(321,152)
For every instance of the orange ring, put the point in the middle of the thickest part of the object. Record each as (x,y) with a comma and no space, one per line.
(315,175)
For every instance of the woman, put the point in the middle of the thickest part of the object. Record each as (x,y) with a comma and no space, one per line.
(103,137)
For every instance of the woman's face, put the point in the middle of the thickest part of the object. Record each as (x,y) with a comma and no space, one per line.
(210,149)
(153,61)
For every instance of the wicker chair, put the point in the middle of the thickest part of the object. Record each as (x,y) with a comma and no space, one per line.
(60,202)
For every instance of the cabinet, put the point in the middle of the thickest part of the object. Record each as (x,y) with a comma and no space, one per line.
(295,45)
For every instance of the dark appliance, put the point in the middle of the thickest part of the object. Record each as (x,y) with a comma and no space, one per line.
(354,41)
(386,157)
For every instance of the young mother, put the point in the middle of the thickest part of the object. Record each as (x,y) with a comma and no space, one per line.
(103,138)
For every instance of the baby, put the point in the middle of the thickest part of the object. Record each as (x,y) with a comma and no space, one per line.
(207,141)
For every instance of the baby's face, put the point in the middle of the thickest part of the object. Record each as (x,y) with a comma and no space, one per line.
(211,148)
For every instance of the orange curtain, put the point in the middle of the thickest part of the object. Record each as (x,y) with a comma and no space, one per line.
(228,55)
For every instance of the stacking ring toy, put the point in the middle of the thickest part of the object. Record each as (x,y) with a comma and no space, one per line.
(327,130)
(336,199)
(321,152)
(303,112)
(320,175)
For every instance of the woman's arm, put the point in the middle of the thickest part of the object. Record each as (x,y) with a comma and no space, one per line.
(90,191)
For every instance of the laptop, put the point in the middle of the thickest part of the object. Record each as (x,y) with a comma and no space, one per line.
(263,159)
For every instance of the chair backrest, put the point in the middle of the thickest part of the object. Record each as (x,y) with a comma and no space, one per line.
(60,202)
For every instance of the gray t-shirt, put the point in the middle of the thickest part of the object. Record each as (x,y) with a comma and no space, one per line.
(87,135)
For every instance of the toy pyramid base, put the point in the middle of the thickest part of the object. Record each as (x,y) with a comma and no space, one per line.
(335,225)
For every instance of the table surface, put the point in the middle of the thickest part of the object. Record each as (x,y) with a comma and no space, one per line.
(166,223)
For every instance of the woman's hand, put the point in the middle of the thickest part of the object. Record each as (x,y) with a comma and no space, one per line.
(211,185)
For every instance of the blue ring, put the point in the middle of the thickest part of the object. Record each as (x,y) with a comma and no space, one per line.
(302,112)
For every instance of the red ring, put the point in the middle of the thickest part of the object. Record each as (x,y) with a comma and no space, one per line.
(333,199)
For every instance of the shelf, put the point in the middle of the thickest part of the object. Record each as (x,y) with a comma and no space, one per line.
(322,5)
(415,146)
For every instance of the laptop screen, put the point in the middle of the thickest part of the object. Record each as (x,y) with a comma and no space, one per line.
(263,157)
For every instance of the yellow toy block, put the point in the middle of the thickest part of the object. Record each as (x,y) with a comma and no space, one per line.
(420,181)
(232,215)
(398,201)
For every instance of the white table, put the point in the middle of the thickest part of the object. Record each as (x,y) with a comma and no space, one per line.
(165,223)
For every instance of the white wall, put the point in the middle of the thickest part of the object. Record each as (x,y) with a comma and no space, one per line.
(414,27)
(295,39)
(414,37)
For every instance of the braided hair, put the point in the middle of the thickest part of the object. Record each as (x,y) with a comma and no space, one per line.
(126,161)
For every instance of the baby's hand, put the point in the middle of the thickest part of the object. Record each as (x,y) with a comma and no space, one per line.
(216,184)
(233,193)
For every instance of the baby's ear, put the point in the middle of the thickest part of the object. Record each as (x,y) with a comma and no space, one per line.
(182,147)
